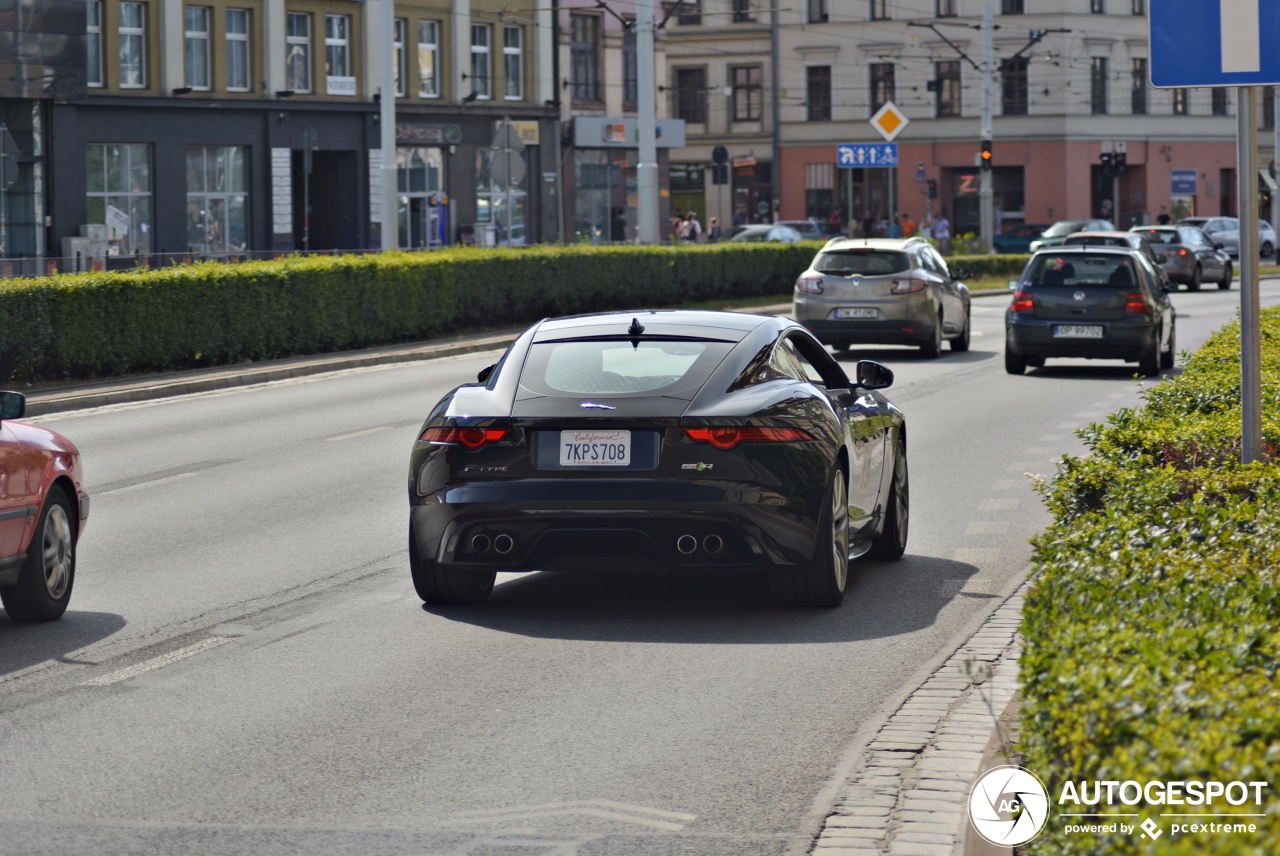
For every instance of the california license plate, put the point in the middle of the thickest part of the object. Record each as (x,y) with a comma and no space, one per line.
(857,313)
(595,448)
(1077,331)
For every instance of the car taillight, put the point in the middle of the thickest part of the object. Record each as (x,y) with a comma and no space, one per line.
(727,438)
(907,285)
(1023,301)
(1137,304)
(1182,251)
(470,438)
(809,285)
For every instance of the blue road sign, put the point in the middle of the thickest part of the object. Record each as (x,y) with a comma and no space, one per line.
(1182,182)
(866,155)
(1213,42)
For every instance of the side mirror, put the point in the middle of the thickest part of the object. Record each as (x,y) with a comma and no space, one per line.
(1218,245)
(872,375)
(12,405)
(1161,258)
(484,373)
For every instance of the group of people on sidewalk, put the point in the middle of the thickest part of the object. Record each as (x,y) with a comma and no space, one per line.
(903,225)
(687,229)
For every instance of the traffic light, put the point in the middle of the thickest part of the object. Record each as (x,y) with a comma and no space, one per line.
(1107,164)
(986,154)
(1119,163)
(933,188)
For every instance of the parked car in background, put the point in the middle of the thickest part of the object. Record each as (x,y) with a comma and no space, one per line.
(1092,302)
(682,440)
(1019,238)
(1226,231)
(43,509)
(1190,257)
(767,232)
(1129,240)
(896,291)
(1056,233)
(808,229)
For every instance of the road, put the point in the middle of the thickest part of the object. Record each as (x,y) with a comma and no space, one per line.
(245,668)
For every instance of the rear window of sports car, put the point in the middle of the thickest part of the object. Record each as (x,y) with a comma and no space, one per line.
(619,367)
(864,262)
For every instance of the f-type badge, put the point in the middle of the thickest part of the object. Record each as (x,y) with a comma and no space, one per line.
(700,467)
(591,405)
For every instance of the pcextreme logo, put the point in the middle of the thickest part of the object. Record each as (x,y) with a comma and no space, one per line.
(1008,806)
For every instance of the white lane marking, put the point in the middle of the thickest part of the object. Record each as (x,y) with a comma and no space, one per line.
(982,528)
(361,433)
(158,662)
(976,555)
(606,809)
(152,483)
(1000,505)
(1009,484)
(1241,39)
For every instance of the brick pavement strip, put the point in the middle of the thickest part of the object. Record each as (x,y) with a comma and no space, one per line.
(909,796)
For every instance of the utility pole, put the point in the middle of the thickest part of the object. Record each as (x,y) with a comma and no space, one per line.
(647,124)
(987,214)
(1250,301)
(387,126)
(776,109)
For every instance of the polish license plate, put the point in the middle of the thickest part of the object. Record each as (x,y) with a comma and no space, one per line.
(595,448)
(1077,331)
(857,313)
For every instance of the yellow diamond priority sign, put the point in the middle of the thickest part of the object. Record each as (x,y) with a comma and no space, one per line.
(889,121)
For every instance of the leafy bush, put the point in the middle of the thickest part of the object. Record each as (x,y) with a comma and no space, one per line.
(1151,627)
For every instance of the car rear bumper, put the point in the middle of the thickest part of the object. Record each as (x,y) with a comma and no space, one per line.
(888,332)
(1032,337)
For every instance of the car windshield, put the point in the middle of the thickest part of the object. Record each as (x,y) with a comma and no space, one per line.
(864,262)
(1079,270)
(613,367)
(1066,227)
(1160,236)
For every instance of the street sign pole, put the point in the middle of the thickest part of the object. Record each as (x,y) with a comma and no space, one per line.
(985,193)
(1250,301)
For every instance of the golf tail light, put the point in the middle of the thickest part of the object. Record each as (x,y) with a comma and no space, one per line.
(907,285)
(809,285)
(1182,251)
(1136,304)
(468,438)
(728,437)
(1023,301)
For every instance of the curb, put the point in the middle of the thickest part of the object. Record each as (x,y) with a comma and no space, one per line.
(910,796)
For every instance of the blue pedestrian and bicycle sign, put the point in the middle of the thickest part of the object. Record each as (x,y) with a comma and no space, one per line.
(1213,42)
(866,155)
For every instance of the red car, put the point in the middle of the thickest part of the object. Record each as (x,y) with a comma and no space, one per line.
(43,509)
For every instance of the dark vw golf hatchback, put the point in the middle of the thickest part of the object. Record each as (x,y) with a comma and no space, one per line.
(1092,302)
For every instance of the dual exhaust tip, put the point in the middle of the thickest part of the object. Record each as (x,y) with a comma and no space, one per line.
(502,543)
(687,545)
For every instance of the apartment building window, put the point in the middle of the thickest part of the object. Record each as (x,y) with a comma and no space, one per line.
(742,12)
(630,67)
(748,97)
(690,13)
(584,56)
(1014,87)
(818,93)
(691,94)
(1138,95)
(882,85)
(399,28)
(945,9)
(238,65)
(879,10)
(1098,85)
(513,62)
(818,13)
(196,46)
(481,61)
(1139,7)
(947,75)
(118,193)
(1218,100)
(93,41)
(1012,7)
(297,66)
(337,55)
(133,45)
(217,199)
(1098,7)
(429,59)
(1181,97)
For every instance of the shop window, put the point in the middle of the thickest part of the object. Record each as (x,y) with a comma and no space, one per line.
(118,194)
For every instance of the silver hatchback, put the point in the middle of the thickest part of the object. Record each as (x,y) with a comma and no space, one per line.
(883,291)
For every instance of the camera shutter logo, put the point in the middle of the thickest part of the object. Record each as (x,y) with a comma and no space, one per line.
(1008,806)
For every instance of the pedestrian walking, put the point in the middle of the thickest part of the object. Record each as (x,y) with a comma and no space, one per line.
(713,230)
(942,231)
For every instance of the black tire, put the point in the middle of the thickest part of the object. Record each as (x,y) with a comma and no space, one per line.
(1014,364)
(1197,276)
(1167,357)
(1267,250)
(1225,283)
(438,583)
(892,541)
(44,584)
(960,344)
(1149,361)
(932,349)
(821,581)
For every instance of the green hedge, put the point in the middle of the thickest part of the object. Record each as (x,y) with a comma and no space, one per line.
(1152,625)
(80,326)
